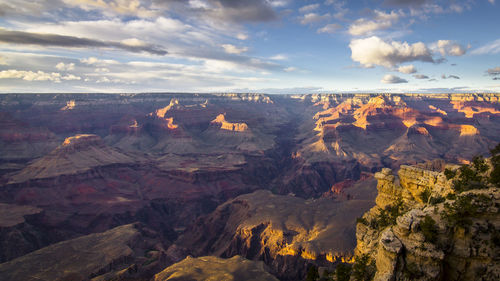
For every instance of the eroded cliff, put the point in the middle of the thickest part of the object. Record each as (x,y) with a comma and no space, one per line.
(428,226)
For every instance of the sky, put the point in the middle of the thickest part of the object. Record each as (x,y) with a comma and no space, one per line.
(266,46)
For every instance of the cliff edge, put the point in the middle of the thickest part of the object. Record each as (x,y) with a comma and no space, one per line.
(429,225)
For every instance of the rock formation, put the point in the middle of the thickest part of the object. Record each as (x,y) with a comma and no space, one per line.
(122,253)
(213,268)
(423,228)
(287,232)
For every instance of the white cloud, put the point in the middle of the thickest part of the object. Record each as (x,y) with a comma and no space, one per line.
(231,49)
(134,42)
(290,69)
(71,77)
(380,21)
(242,36)
(279,57)
(65,66)
(392,79)
(491,1)
(490,48)
(329,28)
(313,18)
(35,76)
(448,47)
(309,8)
(96,61)
(125,7)
(374,51)
(407,69)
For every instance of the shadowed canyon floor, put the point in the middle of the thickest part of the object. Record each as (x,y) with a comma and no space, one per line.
(273,178)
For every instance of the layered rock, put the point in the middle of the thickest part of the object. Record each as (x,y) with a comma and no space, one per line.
(122,253)
(214,268)
(77,154)
(409,237)
(286,232)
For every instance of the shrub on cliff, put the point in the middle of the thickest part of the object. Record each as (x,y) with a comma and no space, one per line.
(343,272)
(475,175)
(363,269)
(388,216)
(429,229)
(460,212)
(495,162)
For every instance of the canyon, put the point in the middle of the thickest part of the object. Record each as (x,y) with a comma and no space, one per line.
(141,186)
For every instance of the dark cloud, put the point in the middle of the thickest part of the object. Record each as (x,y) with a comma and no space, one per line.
(44,39)
(449,76)
(227,10)
(420,76)
(392,79)
(493,71)
(412,3)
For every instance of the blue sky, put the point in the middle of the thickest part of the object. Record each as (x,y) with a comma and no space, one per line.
(272,46)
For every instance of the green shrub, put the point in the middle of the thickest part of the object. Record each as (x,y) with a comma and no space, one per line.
(343,272)
(436,200)
(363,269)
(425,195)
(429,229)
(495,162)
(450,174)
(388,216)
(451,196)
(312,273)
(362,221)
(460,211)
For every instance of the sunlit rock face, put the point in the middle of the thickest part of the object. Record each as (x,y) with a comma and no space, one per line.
(224,125)
(287,232)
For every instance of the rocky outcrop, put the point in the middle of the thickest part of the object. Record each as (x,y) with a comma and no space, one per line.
(286,232)
(410,235)
(77,154)
(225,125)
(122,253)
(214,268)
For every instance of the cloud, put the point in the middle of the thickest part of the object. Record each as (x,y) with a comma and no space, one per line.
(3,61)
(392,79)
(420,76)
(65,67)
(490,48)
(407,69)
(231,49)
(309,8)
(380,21)
(374,51)
(492,1)
(494,72)
(242,10)
(279,57)
(290,69)
(448,47)
(329,28)
(44,39)
(35,76)
(313,18)
(411,3)
(124,7)
(449,76)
